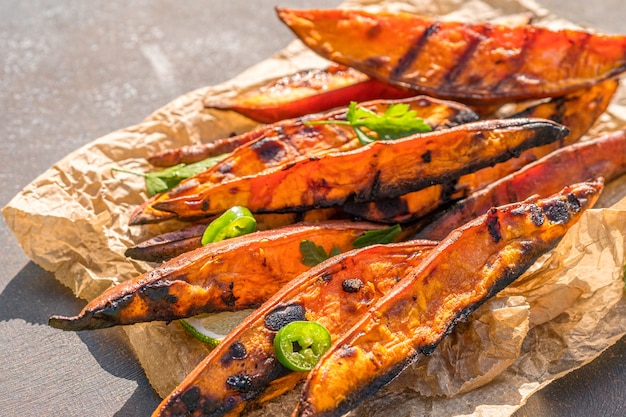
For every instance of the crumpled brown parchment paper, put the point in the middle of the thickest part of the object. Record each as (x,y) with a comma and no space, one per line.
(72,221)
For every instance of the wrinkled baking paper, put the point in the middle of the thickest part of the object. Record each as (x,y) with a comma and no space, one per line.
(72,220)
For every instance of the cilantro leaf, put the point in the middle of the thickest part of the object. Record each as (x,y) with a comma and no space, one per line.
(313,254)
(382,236)
(168,178)
(396,122)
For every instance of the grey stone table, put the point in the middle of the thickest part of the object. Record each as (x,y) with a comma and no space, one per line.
(72,71)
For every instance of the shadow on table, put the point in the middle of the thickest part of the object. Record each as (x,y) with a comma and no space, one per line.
(34,294)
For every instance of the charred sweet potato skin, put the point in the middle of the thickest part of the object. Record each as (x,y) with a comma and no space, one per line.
(228,275)
(243,369)
(477,63)
(382,169)
(577,111)
(604,156)
(472,264)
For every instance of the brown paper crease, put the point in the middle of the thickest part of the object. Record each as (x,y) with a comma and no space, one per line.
(72,221)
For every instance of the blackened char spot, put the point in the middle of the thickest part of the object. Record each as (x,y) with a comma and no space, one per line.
(427,156)
(268,149)
(536,215)
(190,398)
(225,167)
(242,383)
(557,212)
(237,351)
(493,225)
(326,276)
(574,203)
(351,285)
(228,296)
(413,52)
(158,292)
(283,315)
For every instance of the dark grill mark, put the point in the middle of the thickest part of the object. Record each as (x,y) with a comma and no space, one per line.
(516,63)
(413,52)
(465,58)
(351,285)
(493,225)
(283,315)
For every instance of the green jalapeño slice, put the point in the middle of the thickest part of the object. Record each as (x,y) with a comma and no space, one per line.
(300,344)
(235,221)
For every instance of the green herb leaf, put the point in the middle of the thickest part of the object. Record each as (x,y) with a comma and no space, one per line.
(398,121)
(161,181)
(313,254)
(382,236)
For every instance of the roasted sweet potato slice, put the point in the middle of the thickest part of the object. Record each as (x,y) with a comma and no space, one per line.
(604,156)
(229,275)
(306,92)
(478,63)
(243,370)
(578,111)
(381,169)
(469,266)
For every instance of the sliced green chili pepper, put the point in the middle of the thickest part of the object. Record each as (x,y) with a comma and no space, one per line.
(300,344)
(235,221)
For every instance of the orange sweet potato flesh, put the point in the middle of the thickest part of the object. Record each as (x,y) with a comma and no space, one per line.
(472,63)
(578,111)
(604,156)
(243,370)
(229,275)
(306,92)
(382,169)
(469,266)
(288,141)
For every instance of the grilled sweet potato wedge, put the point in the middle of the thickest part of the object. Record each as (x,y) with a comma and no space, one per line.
(381,169)
(471,63)
(243,370)
(604,156)
(469,266)
(282,140)
(285,142)
(229,275)
(578,111)
(171,244)
(306,92)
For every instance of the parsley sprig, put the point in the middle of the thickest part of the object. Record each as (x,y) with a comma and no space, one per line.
(396,122)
